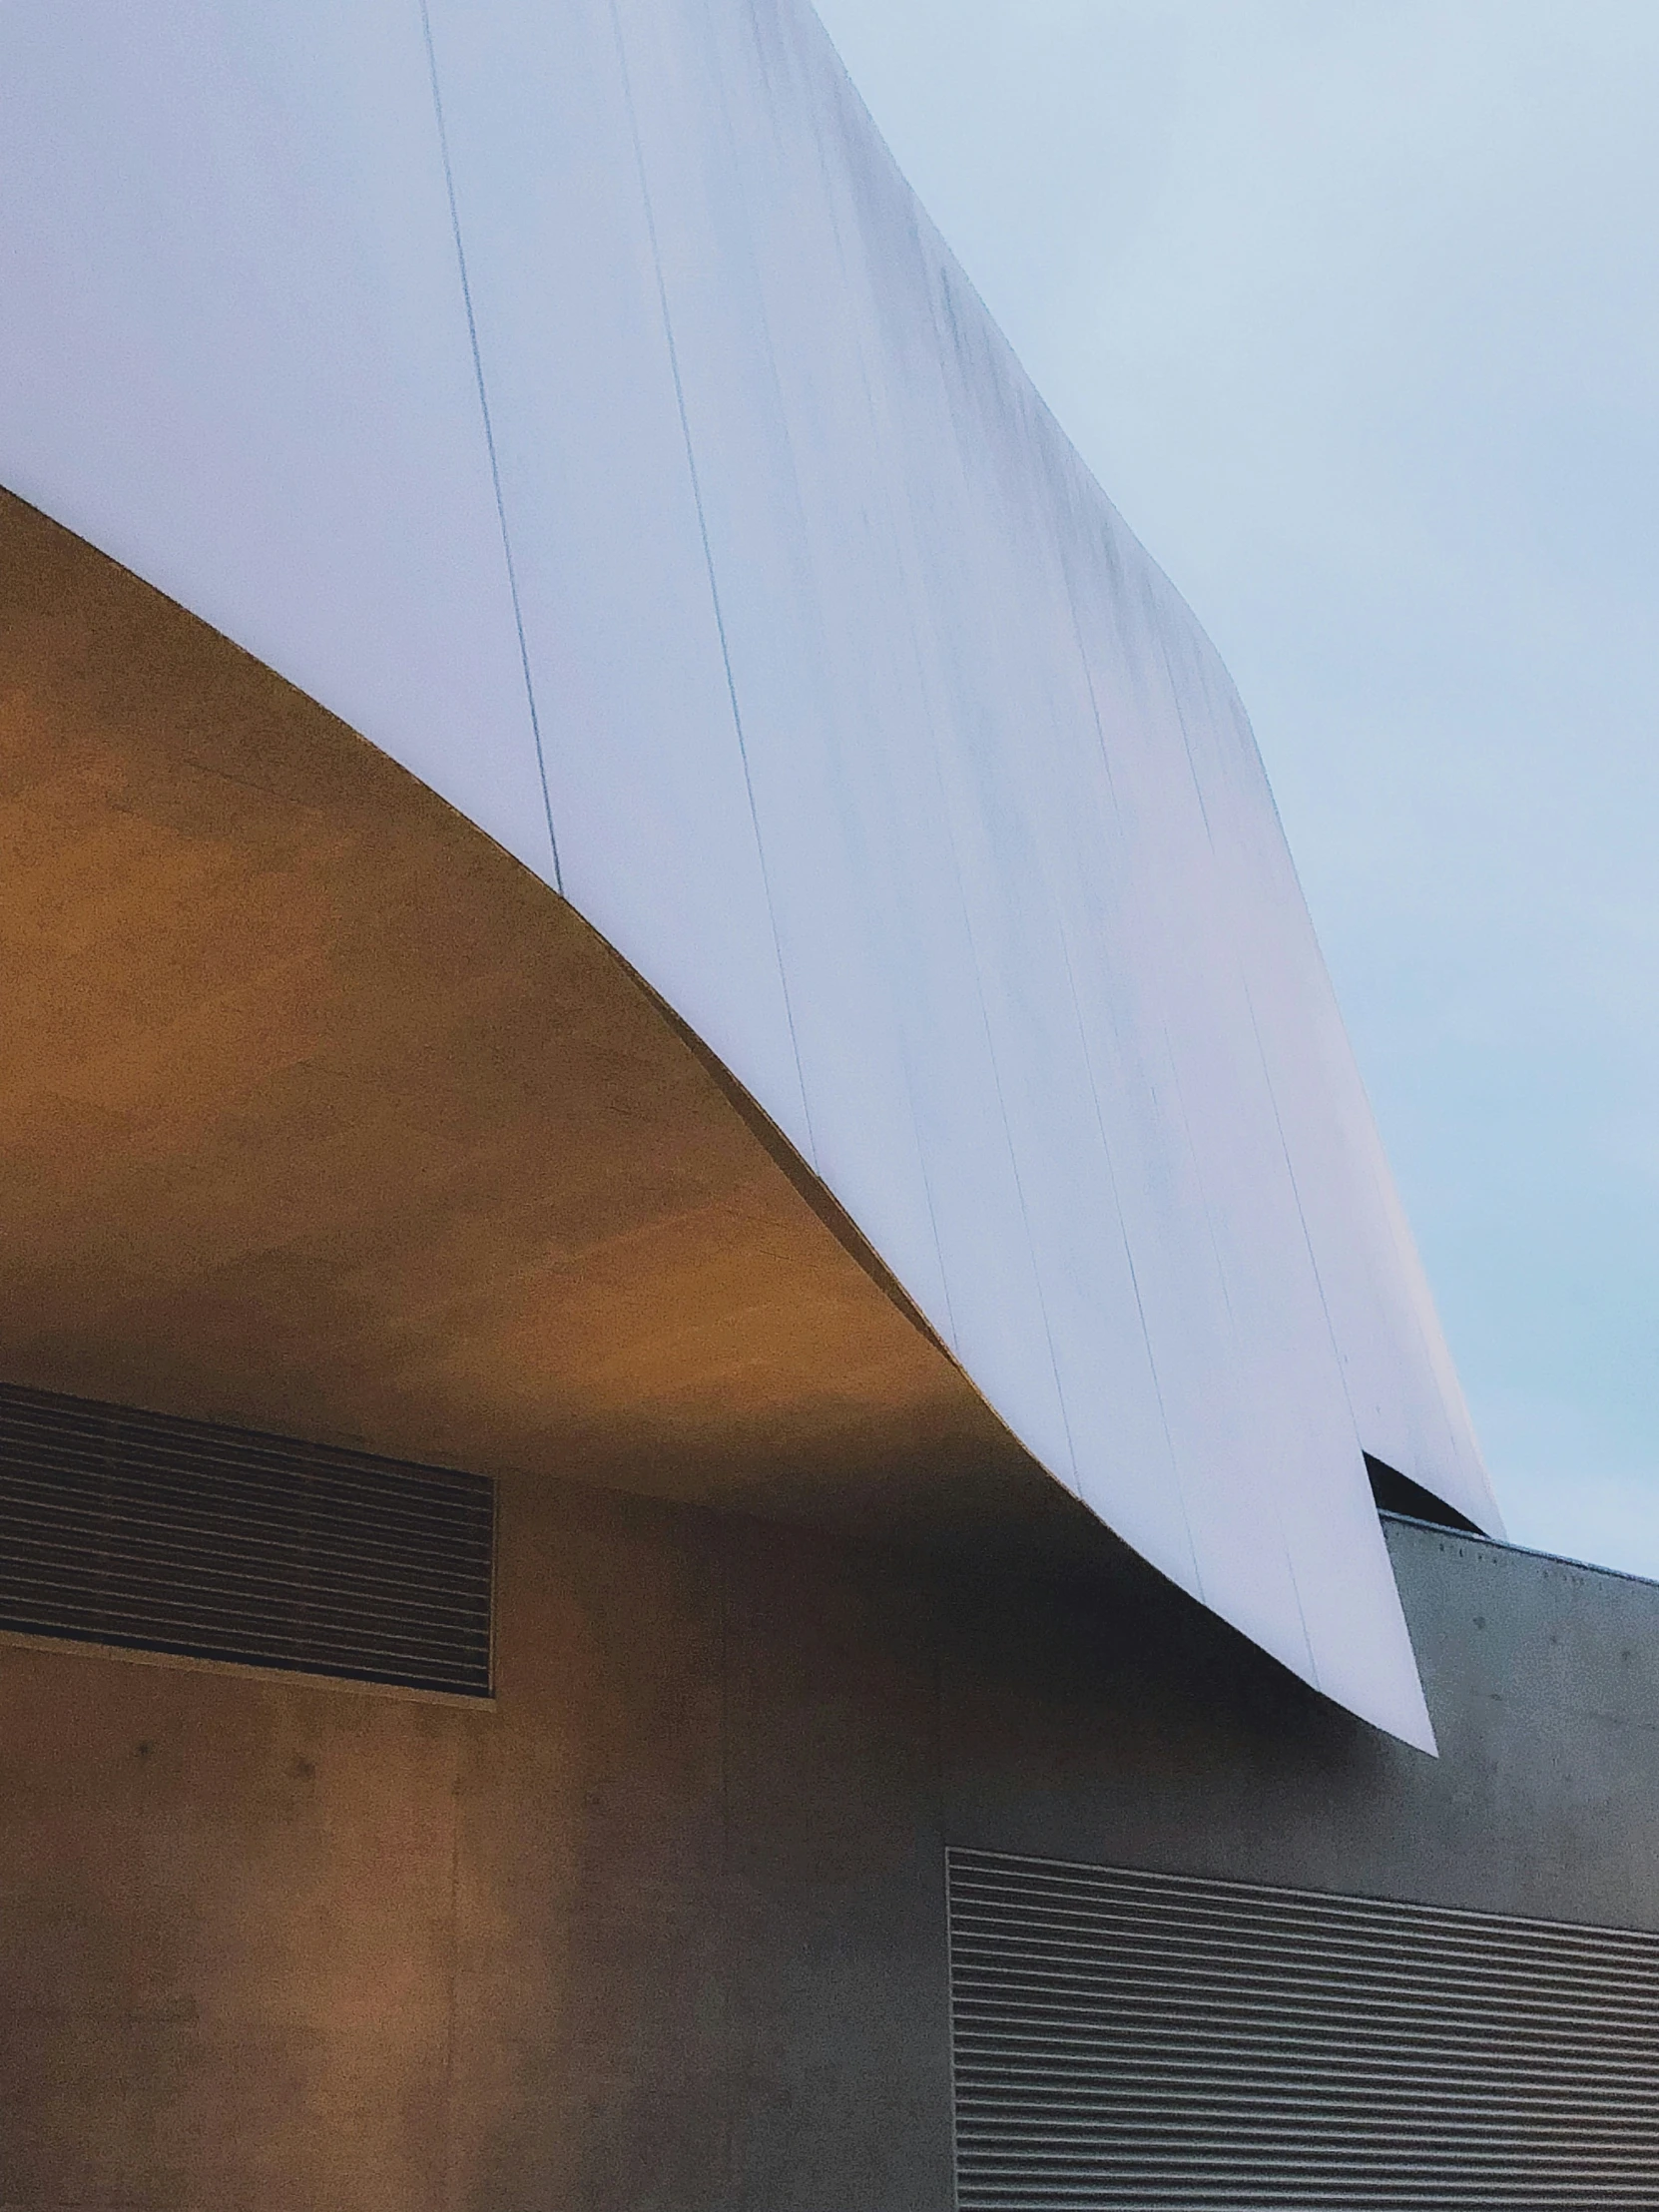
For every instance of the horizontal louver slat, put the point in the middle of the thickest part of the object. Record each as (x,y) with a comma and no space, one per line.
(1134,2042)
(148,1532)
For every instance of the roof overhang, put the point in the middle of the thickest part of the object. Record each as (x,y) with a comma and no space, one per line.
(322,1114)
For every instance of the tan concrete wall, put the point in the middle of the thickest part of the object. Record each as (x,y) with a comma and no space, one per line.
(272,1947)
(663,1930)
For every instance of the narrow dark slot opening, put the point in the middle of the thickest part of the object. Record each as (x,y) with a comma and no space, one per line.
(1398,1493)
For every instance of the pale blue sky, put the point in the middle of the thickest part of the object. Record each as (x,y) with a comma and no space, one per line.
(1354,307)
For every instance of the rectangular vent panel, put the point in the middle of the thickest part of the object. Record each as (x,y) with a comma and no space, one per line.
(1136,2043)
(135,1529)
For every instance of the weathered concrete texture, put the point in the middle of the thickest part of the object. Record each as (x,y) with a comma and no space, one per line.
(664,1930)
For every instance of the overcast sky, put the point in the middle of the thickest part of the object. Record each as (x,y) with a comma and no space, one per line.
(1353,305)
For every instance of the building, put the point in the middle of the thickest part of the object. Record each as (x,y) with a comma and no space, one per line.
(702,1322)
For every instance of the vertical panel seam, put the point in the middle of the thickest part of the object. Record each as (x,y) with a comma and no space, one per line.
(489,443)
(709,569)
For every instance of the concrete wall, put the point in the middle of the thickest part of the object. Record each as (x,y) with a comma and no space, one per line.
(663,1930)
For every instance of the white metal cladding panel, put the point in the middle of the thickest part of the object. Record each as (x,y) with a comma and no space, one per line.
(233,354)
(1124,2042)
(594,420)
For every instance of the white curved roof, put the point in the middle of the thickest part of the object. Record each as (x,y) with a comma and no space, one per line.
(575,399)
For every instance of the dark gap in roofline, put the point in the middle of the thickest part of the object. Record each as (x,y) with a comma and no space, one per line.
(1397,1493)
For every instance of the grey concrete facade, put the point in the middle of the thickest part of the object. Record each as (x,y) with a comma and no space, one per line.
(663,1929)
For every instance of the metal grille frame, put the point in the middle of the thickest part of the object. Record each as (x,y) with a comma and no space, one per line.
(1125,2041)
(145,1532)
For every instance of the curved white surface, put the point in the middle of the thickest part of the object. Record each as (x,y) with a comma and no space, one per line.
(574,399)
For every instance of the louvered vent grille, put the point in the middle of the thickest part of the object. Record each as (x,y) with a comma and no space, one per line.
(128,1528)
(1130,2042)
